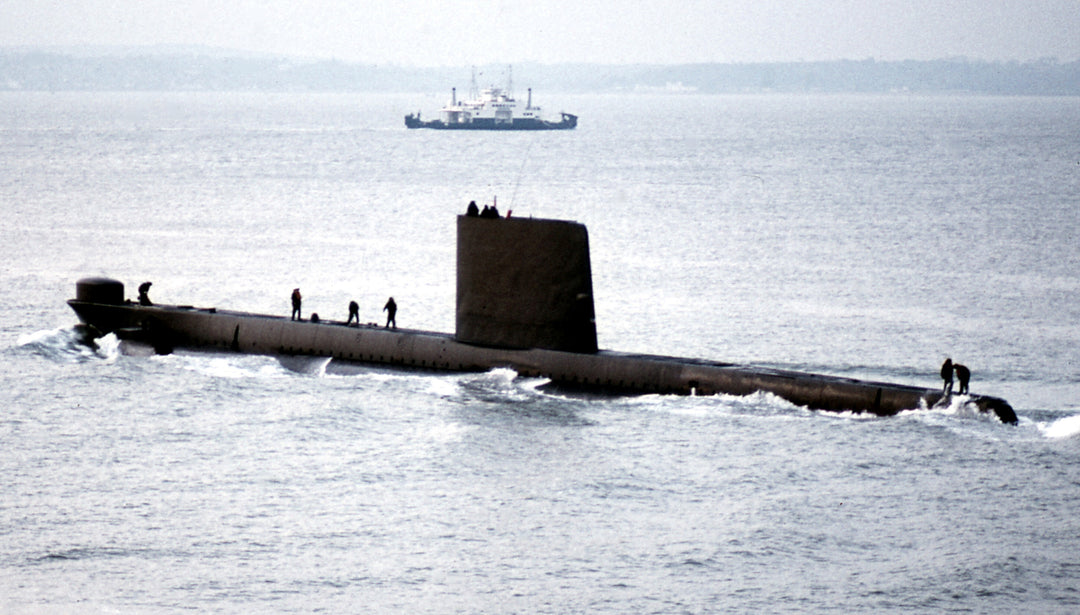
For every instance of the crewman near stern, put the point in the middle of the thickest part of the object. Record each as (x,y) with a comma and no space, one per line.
(963,374)
(946,375)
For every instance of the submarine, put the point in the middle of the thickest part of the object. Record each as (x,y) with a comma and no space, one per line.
(524,301)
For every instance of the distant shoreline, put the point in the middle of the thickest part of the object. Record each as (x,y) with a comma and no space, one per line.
(148,69)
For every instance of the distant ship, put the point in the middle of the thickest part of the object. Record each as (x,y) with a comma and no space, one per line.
(491,109)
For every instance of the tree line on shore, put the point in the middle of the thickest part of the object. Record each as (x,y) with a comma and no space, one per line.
(194,70)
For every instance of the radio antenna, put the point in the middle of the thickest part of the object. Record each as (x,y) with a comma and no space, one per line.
(521,172)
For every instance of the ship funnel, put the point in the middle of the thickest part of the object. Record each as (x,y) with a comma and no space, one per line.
(453,97)
(528,104)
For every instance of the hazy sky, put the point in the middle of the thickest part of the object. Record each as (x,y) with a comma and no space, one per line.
(461,32)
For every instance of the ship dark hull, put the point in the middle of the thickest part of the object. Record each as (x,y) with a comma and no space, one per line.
(568,122)
(170,327)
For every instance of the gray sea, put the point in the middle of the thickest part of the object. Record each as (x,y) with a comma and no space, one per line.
(863,236)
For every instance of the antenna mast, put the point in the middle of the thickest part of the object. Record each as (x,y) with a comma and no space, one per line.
(474,92)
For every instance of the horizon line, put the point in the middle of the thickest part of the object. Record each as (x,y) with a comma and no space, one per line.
(107,50)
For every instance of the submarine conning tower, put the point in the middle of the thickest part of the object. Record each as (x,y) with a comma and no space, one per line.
(524,283)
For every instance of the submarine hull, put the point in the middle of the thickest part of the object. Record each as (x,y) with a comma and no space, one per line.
(167,327)
(524,301)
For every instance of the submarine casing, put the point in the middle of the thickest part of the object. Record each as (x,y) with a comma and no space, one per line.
(181,326)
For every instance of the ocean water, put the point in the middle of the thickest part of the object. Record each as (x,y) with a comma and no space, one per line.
(867,236)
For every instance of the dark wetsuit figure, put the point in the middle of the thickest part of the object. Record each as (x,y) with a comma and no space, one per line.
(963,374)
(144,293)
(946,375)
(473,211)
(391,312)
(296,305)
(354,314)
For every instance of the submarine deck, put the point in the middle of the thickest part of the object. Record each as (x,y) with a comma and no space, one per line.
(170,326)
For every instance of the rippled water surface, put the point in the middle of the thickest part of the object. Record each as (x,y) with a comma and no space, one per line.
(861,236)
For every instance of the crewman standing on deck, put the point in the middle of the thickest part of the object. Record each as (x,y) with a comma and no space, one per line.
(391,312)
(946,375)
(296,299)
(144,293)
(963,374)
(354,313)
